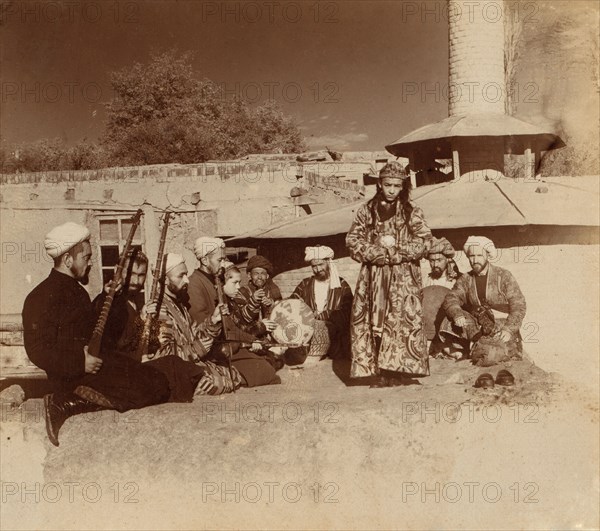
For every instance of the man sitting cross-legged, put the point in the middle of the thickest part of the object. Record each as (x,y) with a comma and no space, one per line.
(58,321)
(469,306)
(194,342)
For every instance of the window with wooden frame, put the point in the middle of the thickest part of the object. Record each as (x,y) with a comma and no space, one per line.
(113,233)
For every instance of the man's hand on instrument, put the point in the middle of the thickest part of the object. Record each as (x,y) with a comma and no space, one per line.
(269,325)
(460,321)
(92,363)
(221,309)
(259,295)
(150,309)
(165,333)
(256,346)
(267,301)
(109,284)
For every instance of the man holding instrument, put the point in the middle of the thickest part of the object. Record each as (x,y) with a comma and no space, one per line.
(181,336)
(202,343)
(124,325)
(201,291)
(58,321)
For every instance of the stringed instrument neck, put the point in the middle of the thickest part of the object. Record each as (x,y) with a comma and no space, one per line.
(94,346)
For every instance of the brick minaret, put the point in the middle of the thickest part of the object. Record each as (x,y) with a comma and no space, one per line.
(476,57)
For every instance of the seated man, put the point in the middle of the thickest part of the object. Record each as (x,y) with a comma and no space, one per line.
(58,321)
(330,298)
(181,336)
(191,341)
(124,325)
(444,270)
(486,287)
(436,284)
(201,292)
(260,285)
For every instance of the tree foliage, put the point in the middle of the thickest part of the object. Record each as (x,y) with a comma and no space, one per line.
(52,155)
(162,113)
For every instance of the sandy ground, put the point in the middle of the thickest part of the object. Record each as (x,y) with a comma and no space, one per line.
(316,453)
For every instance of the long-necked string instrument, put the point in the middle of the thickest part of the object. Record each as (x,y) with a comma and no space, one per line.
(157,276)
(96,340)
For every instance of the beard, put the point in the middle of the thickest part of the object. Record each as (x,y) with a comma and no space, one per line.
(180,292)
(322,275)
(478,268)
(436,272)
(259,283)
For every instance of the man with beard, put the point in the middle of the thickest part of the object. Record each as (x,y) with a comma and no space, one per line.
(201,291)
(261,289)
(444,270)
(124,325)
(181,336)
(486,287)
(58,321)
(329,297)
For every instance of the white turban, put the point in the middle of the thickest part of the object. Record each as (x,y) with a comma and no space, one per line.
(173,260)
(485,243)
(322,252)
(206,245)
(64,237)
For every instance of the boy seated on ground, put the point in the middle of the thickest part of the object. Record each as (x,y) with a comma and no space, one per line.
(246,318)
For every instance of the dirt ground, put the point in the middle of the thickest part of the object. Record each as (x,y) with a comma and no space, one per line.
(317,453)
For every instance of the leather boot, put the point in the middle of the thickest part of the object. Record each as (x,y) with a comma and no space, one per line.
(58,407)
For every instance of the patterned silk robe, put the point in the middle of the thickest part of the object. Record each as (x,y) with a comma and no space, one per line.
(388,298)
(193,342)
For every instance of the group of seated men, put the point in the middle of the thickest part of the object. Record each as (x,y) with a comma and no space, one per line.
(190,349)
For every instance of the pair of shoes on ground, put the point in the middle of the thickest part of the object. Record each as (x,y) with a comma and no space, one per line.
(486,380)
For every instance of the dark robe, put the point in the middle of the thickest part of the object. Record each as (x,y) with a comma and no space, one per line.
(58,320)
(124,326)
(336,314)
(202,295)
(122,333)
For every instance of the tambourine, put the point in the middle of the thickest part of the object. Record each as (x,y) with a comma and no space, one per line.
(295,322)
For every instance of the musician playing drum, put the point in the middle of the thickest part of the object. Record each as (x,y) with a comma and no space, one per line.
(330,298)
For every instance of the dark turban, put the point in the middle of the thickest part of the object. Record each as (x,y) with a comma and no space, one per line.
(259,261)
(394,170)
(441,246)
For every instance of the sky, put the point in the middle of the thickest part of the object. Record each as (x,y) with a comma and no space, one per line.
(355,75)
(349,72)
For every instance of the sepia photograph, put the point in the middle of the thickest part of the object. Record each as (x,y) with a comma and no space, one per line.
(299,265)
